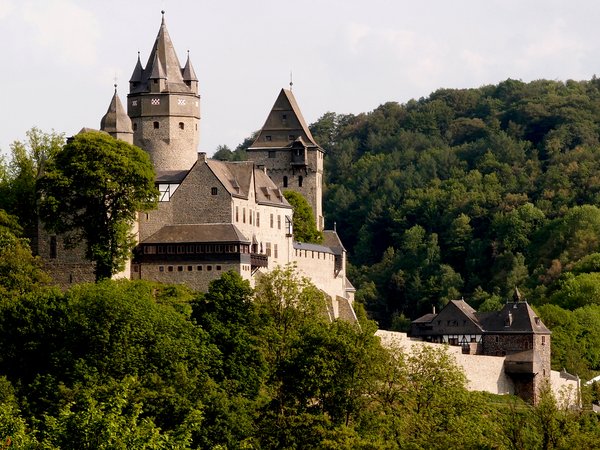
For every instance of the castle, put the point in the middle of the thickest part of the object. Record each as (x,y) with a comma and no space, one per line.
(515,333)
(214,216)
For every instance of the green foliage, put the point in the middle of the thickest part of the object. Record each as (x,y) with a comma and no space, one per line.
(18,179)
(92,191)
(304,225)
(20,272)
(498,183)
(575,338)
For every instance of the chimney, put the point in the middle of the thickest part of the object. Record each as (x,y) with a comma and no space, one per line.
(201,156)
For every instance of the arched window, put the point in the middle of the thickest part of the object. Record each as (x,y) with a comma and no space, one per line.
(300,179)
(285,181)
(156,125)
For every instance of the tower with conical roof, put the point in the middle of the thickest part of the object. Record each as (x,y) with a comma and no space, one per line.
(288,151)
(116,122)
(164,106)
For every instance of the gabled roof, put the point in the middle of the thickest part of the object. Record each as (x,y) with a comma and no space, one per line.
(236,177)
(514,317)
(333,241)
(170,176)
(266,191)
(284,120)
(197,233)
(240,177)
(116,119)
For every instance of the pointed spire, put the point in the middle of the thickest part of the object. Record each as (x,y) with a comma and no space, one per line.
(157,69)
(136,76)
(116,120)
(163,54)
(189,74)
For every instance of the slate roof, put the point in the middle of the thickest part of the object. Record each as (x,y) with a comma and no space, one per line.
(312,247)
(240,177)
(163,63)
(522,320)
(280,129)
(194,233)
(189,74)
(171,176)
(116,119)
(457,317)
(333,241)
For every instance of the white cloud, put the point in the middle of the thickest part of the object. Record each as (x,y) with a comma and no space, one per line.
(6,7)
(66,29)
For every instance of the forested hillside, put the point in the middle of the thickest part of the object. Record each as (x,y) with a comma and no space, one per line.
(137,365)
(469,193)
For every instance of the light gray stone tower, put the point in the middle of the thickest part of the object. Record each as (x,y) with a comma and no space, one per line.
(288,151)
(116,122)
(164,106)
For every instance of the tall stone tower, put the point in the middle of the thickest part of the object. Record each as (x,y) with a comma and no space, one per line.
(292,158)
(116,122)
(164,106)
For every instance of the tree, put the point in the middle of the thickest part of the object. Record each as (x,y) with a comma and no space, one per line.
(305,228)
(27,164)
(92,191)
(20,271)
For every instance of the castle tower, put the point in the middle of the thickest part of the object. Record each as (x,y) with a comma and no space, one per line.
(116,122)
(288,151)
(164,106)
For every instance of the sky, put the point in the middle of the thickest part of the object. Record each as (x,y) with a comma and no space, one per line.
(60,58)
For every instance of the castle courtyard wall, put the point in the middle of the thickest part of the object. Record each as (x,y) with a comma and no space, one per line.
(486,373)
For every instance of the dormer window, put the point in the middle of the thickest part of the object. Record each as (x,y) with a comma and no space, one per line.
(268,138)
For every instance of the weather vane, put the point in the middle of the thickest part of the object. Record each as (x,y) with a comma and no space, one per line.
(291,81)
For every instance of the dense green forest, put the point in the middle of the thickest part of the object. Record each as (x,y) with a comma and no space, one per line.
(470,193)
(136,365)
(466,193)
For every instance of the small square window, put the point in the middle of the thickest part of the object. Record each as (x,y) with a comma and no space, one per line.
(156,125)
(267,138)
(181,125)
(161,268)
(213,191)
(170,268)
(208,268)
(179,268)
(218,267)
(272,154)
(190,268)
(199,268)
